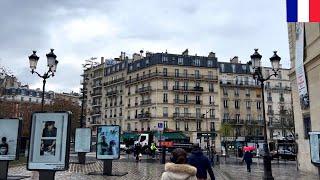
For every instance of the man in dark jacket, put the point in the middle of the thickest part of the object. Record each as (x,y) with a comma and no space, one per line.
(201,162)
(247,157)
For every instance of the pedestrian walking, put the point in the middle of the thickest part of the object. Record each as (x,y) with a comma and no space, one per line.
(137,152)
(201,162)
(178,169)
(213,154)
(247,157)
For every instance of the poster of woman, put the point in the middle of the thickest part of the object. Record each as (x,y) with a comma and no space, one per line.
(9,135)
(108,142)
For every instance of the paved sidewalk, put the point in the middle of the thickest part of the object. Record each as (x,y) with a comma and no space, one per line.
(147,169)
(234,169)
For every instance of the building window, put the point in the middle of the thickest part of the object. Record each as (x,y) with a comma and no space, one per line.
(165,124)
(186,111)
(176,97)
(212,113)
(248,117)
(165,97)
(225,103)
(247,92)
(136,126)
(210,64)
(236,91)
(165,71)
(177,110)
(186,126)
(165,84)
(176,72)
(138,65)
(198,112)
(197,74)
(129,127)
(177,125)
(147,61)
(211,100)
(180,60)
(185,98)
(258,104)
(185,85)
(212,127)
(236,104)
(198,99)
(233,68)
(238,118)
(279,75)
(222,67)
(176,84)
(185,73)
(198,125)
(225,91)
(165,111)
(164,59)
(197,62)
(211,87)
(248,104)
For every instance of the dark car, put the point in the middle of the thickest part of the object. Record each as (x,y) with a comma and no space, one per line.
(283,154)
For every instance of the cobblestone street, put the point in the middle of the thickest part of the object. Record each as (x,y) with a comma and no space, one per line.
(235,169)
(149,169)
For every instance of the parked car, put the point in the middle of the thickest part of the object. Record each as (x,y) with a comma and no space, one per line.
(283,154)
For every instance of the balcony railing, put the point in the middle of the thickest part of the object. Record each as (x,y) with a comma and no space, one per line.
(188,88)
(144,115)
(112,93)
(96,94)
(145,102)
(238,83)
(93,113)
(144,89)
(113,81)
(186,115)
(173,75)
(181,101)
(234,121)
(97,85)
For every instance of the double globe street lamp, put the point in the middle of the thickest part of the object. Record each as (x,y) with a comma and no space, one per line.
(256,71)
(52,63)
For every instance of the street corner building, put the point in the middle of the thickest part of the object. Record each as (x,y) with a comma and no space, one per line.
(195,95)
(304,43)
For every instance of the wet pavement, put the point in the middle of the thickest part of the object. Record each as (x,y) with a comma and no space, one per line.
(151,169)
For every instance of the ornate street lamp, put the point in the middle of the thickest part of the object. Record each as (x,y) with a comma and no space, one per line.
(52,63)
(256,70)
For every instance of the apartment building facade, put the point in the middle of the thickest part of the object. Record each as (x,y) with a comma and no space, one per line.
(191,94)
(306,117)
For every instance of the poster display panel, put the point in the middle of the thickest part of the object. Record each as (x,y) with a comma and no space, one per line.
(49,141)
(108,142)
(315,147)
(83,140)
(9,139)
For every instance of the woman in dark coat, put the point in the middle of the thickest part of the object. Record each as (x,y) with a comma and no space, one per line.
(247,157)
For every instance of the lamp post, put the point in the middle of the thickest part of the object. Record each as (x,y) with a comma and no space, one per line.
(256,70)
(52,63)
(206,116)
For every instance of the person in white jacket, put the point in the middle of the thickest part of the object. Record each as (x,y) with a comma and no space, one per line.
(178,169)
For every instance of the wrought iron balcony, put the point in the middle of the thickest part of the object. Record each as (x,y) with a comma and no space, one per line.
(144,90)
(112,93)
(145,102)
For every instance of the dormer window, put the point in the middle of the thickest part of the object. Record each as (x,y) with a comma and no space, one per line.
(197,62)
(210,64)
(164,59)
(180,60)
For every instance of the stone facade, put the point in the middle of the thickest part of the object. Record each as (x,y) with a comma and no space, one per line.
(307,119)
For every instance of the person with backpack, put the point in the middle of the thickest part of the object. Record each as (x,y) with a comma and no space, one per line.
(247,157)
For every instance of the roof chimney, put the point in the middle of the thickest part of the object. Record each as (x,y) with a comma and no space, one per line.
(212,55)
(185,52)
(102,60)
(235,59)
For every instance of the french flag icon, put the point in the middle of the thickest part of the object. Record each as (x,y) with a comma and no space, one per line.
(303,10)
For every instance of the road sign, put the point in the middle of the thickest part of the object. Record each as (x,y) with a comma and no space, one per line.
(160,127)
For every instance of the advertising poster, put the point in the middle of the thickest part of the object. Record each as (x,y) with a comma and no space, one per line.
(300,73)
(9,135)
(315,147)
(83,140)
(49,141)
(108,142)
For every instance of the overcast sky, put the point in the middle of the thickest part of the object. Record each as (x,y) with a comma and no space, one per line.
(80,29)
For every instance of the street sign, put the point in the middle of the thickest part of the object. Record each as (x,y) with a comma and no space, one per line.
(160,126)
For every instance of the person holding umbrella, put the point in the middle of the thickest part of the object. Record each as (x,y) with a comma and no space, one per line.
(247,157)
